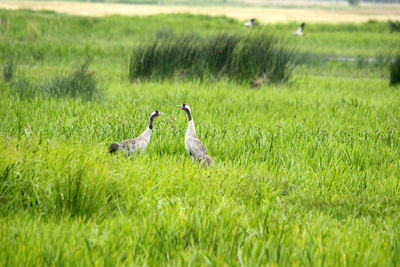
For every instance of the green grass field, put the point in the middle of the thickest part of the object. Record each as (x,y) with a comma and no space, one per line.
(305,173)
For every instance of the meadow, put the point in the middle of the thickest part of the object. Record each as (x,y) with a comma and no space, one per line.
(306,172)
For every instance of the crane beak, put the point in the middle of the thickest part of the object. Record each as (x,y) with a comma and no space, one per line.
(179,106)
(161,113)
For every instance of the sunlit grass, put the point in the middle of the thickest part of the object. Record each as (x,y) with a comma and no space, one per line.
(292,165)
(305,173)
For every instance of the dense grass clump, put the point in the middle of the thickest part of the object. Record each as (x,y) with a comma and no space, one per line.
(67,194)
(80,83)
(394,26)
(238,57)
(260,55)
(25,88)
(8,69)
(395,70)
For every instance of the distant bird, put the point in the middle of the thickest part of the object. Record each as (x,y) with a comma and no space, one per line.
(138,144)
(194,146)
(300,30)
(249,23)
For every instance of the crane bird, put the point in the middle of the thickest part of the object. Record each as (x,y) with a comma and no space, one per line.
(249,23)
(138,144)
(300,30)
(194,146)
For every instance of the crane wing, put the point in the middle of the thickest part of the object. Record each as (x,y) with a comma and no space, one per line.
(195,148)
(126,143)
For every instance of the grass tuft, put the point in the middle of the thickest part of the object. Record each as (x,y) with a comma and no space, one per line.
(238,57)
(261,55)
(80,83)
(394,26)
(8,69)
(75,198)
(25,88)
(71,195)
(395,70)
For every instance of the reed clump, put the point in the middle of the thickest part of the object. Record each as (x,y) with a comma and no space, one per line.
(235,56)
(395,70)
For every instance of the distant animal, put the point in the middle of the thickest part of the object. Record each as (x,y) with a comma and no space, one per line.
(249,23)
(138,144)
(300,30)
(194,146)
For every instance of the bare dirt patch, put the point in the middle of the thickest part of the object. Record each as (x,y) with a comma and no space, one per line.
(263,14)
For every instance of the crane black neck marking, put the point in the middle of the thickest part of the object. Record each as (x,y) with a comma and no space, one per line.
(188,112)
(151,122)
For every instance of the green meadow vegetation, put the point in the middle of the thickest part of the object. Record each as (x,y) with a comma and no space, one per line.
(306,171)
(395,70)
(238,57)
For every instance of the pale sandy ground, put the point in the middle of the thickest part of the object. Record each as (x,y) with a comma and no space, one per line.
(264,14)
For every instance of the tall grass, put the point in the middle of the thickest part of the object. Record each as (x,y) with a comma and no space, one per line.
(8,69)
(394,26)
(67,194)
(79,83)
(395,70)
(24,88)
(238,57)
(297,171)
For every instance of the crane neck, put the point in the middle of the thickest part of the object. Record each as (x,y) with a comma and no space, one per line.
(147,134)
(151,123)
(190,129)
(189,114)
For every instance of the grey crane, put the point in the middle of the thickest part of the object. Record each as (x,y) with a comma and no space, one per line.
(194,146)
(138,144)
